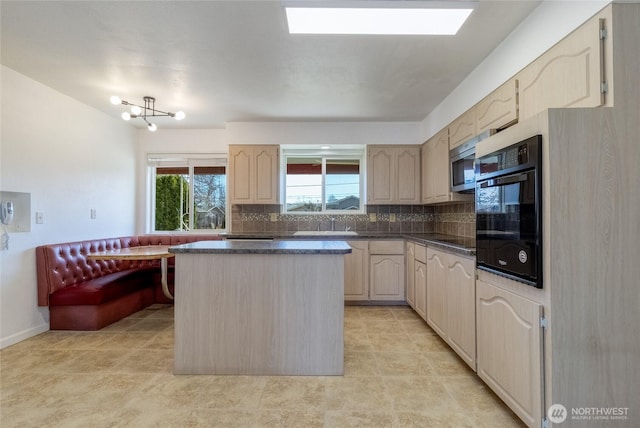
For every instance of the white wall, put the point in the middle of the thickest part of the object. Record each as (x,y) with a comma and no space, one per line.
(551,21)
(70,158)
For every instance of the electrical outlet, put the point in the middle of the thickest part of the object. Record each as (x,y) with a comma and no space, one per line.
(392,218)
(274,216)
(93,213)
(39,217)
(373,217)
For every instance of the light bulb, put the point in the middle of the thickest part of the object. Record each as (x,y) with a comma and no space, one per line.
(179,115)
(126,116)
(115,100)
(136,110)
(152,127)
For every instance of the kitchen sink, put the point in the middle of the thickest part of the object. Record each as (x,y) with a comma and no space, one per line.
(325,233)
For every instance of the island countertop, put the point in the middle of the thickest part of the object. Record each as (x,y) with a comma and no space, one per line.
(263,247)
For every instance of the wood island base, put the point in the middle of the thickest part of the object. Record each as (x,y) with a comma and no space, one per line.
(259,314)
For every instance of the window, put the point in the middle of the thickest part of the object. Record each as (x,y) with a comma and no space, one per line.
(323,182)
(187,194)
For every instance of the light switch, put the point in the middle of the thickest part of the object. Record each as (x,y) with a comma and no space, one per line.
(392,218)
(274,216)
(39,217)
(373,217)
(93,213)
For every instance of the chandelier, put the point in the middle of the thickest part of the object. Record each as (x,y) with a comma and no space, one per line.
(146,111)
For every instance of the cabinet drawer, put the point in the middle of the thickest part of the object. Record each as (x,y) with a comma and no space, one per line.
(386,247)
(421,253)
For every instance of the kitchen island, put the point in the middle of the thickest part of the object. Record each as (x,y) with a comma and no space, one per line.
(259,307)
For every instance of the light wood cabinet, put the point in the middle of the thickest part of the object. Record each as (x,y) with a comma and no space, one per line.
(567,75)
(410,276)
(420,279)
(462,129)
(461,307)
(386,270)
(253,174)
(436,185)
(393,175)
(356,271)
(509,342)
(451,301)
(436,286)
(499,109)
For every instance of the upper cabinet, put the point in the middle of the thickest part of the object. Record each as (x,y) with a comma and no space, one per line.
(393,175)
(499,109)
(463,128)
(436,187)
(570,74)
(253,174)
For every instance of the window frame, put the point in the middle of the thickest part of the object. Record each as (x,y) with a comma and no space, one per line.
(190,161)
(338,153)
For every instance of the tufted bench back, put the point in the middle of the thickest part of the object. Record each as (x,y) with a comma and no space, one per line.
(63,265)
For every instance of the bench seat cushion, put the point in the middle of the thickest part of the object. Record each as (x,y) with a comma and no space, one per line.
(105,288)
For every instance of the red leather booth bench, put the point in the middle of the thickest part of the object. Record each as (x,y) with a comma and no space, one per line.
(90,294)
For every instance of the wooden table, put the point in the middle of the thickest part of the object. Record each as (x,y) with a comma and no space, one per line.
(151,252)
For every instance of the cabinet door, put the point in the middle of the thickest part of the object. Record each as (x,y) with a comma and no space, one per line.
(380,173)
(411,289)
(408,175)
(441,178)
(356,271)
(498,109)
(567,75)
(461,311)
(266,174)
(420,279)
(510,349)
(428,168)
(386,274)
(436,286)
(462,129)
(240,174)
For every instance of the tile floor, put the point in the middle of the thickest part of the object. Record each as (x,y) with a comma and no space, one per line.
(398,373)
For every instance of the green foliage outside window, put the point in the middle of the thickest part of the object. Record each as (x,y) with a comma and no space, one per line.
(169,204)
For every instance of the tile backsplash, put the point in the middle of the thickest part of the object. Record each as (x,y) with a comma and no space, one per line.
(454,219)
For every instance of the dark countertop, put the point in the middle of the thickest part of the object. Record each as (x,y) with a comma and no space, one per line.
(263,247)
(458,244)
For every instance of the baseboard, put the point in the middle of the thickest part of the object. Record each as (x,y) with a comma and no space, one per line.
(23,335)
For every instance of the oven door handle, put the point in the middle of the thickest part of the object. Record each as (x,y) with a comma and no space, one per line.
(501,181)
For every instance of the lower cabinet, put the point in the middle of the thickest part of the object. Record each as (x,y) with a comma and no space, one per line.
(356,271)
(375,270)
(510,349)
(411,284)
(419,276)
(386,270)
(450,294)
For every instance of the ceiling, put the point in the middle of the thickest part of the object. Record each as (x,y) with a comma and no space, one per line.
(234,61)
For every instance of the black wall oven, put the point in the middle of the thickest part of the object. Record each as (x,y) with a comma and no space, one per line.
(509,212)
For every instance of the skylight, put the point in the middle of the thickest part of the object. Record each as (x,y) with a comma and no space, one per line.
(388,21)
